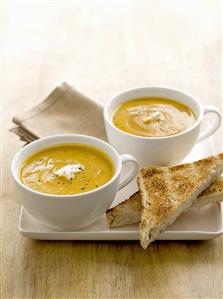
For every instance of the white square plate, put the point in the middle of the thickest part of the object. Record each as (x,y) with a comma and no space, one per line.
(196,224)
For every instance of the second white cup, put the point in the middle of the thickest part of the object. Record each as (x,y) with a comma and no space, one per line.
(166,150)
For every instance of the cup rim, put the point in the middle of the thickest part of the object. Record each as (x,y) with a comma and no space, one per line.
(108,119)
(66,196)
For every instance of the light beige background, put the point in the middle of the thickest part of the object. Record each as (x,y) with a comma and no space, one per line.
(102,48)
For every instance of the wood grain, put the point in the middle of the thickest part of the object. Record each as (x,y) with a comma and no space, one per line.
(102,48)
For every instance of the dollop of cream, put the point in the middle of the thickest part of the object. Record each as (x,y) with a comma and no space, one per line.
(154,116)
(69,171)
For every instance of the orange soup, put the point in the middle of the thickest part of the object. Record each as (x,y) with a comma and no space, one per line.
(153,117)
(67,169)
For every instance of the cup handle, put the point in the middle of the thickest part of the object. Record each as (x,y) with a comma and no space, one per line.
(132,172)
(214,126)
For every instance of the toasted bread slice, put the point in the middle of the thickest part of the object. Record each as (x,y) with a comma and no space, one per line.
(168,191)
(129,211)
(214,193)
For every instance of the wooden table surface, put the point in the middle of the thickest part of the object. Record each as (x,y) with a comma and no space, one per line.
(102,48)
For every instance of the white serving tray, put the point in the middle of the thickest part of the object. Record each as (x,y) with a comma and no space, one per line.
(196,224)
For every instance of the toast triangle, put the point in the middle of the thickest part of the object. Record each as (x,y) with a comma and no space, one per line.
(129,210)
(168,191)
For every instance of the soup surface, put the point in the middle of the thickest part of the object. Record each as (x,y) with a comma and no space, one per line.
(153,117)
(67,169)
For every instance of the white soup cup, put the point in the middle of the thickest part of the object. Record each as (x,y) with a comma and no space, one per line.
(71,212)
(167,150)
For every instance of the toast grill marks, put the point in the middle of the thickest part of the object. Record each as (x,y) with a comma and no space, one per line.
(129,211)
(167,192)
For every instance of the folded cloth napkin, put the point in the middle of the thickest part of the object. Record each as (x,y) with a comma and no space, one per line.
(65,110)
